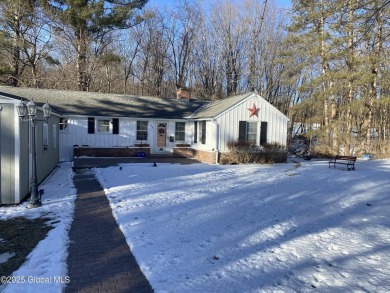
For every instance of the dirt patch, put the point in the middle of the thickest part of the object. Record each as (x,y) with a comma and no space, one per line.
(18,237)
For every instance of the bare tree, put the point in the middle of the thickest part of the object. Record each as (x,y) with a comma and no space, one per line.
(208,61)
(230,34)
(180,30)
(14,24)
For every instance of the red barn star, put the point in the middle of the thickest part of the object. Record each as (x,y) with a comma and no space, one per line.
(253,111)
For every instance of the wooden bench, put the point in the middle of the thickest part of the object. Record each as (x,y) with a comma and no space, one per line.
(344,160)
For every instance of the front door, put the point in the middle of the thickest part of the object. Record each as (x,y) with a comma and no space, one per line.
(161,135)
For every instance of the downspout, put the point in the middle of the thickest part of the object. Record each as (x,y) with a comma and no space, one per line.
(216,140)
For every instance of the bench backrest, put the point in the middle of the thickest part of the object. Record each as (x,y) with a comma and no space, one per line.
(346,158)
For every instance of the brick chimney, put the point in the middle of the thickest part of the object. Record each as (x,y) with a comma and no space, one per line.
(183,93)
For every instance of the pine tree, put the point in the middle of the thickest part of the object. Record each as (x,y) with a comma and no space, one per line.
(309,40)
(91,20)
(344,43)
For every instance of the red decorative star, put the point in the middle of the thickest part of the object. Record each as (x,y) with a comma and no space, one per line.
(253,111)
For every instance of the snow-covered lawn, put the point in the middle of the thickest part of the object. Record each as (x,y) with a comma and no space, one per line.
(48,260)
(256,228)
(252,228)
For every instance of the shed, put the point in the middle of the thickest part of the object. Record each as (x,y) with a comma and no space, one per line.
(15,154)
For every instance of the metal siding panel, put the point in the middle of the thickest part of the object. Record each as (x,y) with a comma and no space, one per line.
(24,159)
(47,160)
(7,147)
(13,151)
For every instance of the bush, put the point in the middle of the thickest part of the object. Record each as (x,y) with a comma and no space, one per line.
(274,152)
(240,152)
(243,152)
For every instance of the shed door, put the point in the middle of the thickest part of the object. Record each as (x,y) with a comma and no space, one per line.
(161,135)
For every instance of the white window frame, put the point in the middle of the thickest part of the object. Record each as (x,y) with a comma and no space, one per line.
(180,132)
(252,133)
(100,123)
(138,131)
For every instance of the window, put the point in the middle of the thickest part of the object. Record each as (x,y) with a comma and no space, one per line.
(180,131)
(91,125)
(248,131)
(103,125)
(142,130)
(45,136)
(63,123)
(54,144)
(252,132)
(200,131)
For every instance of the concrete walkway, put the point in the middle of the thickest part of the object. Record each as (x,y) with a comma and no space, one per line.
(99,258)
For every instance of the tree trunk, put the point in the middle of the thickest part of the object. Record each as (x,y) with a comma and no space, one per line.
(333,114)
(374,83)
(348,148)
(83,80)
(324,73)
(14,79)
(34,73)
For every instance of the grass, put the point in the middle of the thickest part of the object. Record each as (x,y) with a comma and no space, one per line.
(19,236)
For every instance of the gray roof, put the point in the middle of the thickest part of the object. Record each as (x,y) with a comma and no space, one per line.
(114,105)
(104,104)
(213,109)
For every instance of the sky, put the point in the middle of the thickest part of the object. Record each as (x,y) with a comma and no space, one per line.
(280,3)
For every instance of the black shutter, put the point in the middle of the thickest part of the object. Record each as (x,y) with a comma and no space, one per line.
(195,131)
(242,131)
(263,132)
(115,126)
(203,132)
(91,125)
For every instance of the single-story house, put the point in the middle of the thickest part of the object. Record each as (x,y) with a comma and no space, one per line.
(100,124)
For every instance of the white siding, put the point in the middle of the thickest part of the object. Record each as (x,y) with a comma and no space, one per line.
(76,133)
(229,121)
(211,138)
(219,131)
